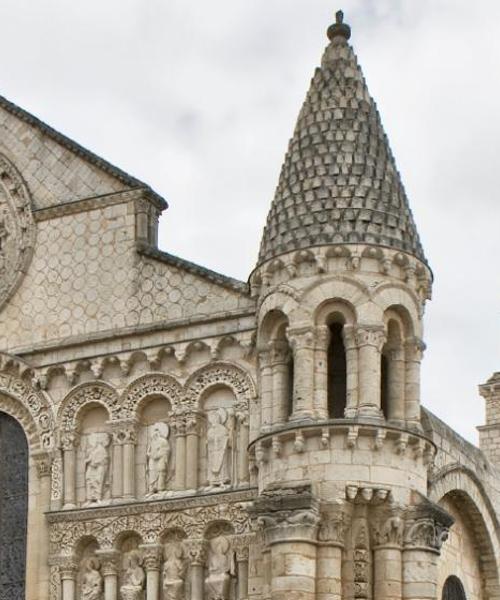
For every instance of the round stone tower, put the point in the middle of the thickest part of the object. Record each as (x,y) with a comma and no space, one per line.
(341,280)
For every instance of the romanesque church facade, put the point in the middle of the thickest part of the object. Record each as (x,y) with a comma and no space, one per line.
(169,433)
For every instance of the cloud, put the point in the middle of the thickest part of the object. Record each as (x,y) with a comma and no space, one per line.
(199,100)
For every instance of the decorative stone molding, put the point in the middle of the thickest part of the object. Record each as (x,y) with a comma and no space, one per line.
(96,392)
(220,373)
(30,408)
(286,514)
(370,335)
(146,386)
(150,520)
(427,525)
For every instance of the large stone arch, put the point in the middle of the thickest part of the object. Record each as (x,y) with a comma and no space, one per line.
(94,392)
(147,385)
(220,373)
(465,488)
(30,408)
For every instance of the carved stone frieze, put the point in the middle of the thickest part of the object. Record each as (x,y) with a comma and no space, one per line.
(220,373)
(149,385)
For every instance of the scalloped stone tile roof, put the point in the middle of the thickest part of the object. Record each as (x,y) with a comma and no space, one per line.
(339,182)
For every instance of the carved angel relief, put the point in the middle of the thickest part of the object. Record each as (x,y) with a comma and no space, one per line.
(17,229)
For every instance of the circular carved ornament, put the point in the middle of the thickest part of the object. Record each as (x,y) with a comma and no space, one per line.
(17,229)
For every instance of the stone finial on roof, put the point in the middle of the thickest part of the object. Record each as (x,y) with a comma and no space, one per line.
(339,28)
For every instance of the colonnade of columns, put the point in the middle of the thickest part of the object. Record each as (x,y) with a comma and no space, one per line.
(360,552)
(363,345)
(152,563)
(187,429)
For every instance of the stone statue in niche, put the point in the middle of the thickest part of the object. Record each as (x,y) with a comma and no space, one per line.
(96,466)
(158,457)
(133,578)
(174,572)
(92,583)
(219,437)
(220,568)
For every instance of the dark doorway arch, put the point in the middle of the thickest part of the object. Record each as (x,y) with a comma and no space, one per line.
(13,508)
(453,589)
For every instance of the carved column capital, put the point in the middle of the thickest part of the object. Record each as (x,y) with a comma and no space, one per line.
(43,462)
(69,440)
(334,525)
(68,566)
(191,422)
(124,432)
(152,554)
(286,514)
(110,560)
(196,550)
(279,352)
(414,348)
(427,526)
(301,337)
(322,337)
(388,526)
(370,335)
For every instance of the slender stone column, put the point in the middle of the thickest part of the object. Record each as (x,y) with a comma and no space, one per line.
(57,492)
(302,340)
(242,573)
(152,562)
(280,383)
(370,340)
(192,436)
(197,555)
(117,453)
(351,357)
(396,385)
(180,453)
(109,569)
(129,443)
(43,464)
(266,390)
(68,582)
(387,527)
(329,554)
(69,443)
(321,372)
(290,525)
(414,349)
(243,470)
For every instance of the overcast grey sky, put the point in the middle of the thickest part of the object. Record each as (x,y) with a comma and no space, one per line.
(200,98)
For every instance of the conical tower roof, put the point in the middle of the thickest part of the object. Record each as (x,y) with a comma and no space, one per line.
(339,183)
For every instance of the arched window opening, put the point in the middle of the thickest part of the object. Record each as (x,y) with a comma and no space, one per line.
(384,387)
(291,375)
(337,372)
(453,589)
(13,508)
(392,374)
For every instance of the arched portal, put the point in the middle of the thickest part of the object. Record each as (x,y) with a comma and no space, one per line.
(13,508)
(453,589)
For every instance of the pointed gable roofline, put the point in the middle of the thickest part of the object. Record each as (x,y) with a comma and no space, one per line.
(79,150)
(339,183)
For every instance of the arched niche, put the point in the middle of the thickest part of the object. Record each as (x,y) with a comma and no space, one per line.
(13,508)
(220,575)
(175,582)
(155,452)
(93,472)
(89,578)
(218,453)
(131,573)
